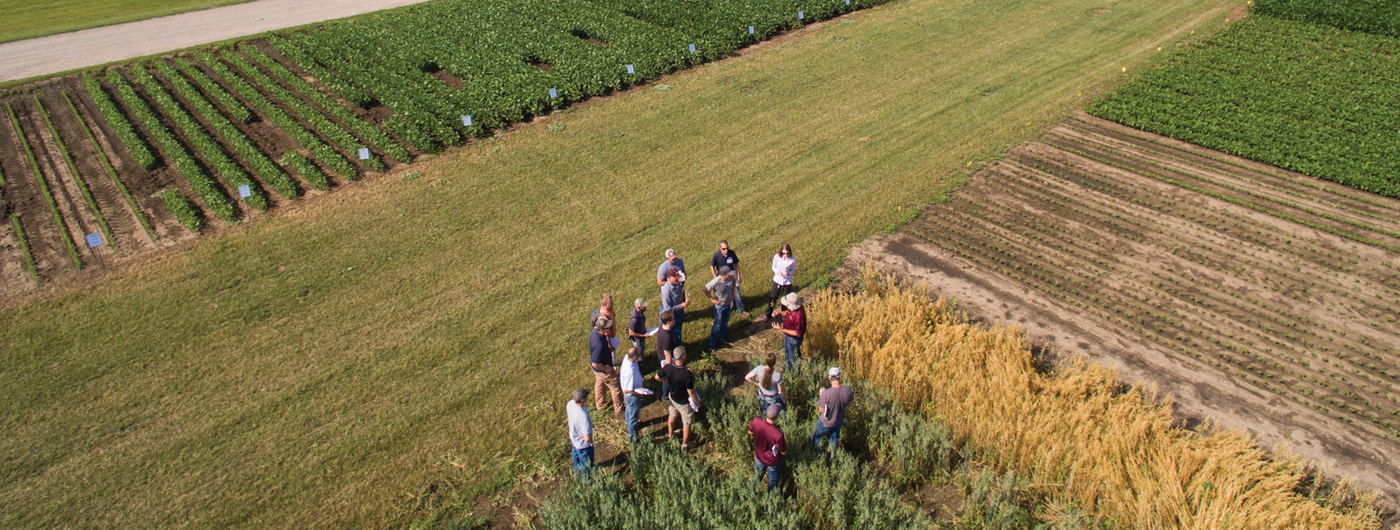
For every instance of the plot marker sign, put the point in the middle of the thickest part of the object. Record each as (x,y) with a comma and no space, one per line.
(244,191)
(799,15)
(750,30)
(94,240)
(364,153)
(553,94)
(631,70)
(692,48)
(467,120)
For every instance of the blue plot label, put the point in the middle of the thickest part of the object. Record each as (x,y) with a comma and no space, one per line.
(467,120)
(751,28)
(692,48)
(245,191)
(94,240)
(553,94)
(364,153)
(631,70)
(799,15)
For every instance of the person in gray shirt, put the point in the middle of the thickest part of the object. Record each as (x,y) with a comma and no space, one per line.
(675,300)
(721,292)
(832,406)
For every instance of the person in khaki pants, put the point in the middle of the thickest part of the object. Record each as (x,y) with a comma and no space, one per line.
(601,360)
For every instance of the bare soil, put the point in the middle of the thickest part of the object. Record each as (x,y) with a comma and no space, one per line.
(1257,298)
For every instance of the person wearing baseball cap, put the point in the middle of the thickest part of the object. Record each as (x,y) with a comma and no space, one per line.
(793,326)
(672,262)
(674,299)
(831,405)
(637,325)
(580,432)
(721,290)
(769,447)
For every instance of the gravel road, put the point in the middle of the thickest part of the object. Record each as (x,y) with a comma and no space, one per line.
(90,47)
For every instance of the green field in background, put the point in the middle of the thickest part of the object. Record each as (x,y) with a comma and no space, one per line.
(26,19)
(330,366)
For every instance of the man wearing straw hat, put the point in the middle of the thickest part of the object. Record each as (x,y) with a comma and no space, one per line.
(793,326)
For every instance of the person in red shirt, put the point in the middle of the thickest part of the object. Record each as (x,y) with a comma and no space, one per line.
(768,446)
(793,326)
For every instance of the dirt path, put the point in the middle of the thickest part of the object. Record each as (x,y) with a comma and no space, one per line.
(91,47)
(1260,299)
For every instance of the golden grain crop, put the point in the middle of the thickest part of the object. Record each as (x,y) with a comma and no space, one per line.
(1075,432)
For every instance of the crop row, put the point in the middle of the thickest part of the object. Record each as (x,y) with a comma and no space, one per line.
(111,171)
(77,176)
(1381,17)
(43,185)
(1313,99)
(184,162)
(323,153)
(140,152)
(268,171)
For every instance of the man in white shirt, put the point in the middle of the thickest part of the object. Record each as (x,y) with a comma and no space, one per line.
(580,432)
(631,383)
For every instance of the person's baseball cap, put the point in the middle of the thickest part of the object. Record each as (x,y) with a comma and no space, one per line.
(670,252)
(773,410)
(792,301)
(673,272)
(725,270)
(640,302)
(833,373)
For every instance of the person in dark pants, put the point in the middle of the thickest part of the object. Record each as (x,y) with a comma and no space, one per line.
(784,267)
(675,300)
(793,326)
(725,257)
(769,447)
(666,343)
(831,405)
(637,325)
(721,291)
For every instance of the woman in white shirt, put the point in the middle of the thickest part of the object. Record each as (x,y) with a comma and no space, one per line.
(769,382)
(784,267)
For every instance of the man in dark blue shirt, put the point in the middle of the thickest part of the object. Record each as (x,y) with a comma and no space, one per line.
(600,359)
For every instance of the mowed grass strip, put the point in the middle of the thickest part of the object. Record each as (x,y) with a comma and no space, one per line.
(331,366)
(27,19)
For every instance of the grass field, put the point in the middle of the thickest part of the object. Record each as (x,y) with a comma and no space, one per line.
(26,19)
(355,359)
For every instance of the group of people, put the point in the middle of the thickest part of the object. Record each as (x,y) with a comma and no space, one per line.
(624,384)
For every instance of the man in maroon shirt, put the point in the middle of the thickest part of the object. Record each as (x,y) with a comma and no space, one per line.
(793,326)
(768,445)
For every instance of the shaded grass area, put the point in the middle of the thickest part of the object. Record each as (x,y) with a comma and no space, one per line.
(27,19)
(384,354)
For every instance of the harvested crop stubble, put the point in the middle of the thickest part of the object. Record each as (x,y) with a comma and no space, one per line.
(1072,431)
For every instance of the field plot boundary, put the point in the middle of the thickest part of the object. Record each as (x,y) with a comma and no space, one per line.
(1287,338)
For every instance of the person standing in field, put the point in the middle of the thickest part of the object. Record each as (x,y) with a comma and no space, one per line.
(831,407)
(784,267)
(580,432)
(769,382)
(793,326)
(666,342)
(725,257)
(637,325)
(769,447)
(721,291)
(631,383)
(675,300)
(605,310)
(601,361)
(673,262)
(680,397)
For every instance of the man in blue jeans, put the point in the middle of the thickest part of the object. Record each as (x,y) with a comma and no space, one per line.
(721,292)
(768,446)
(632,389)
(580,433)
(832,405)
(675,300)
